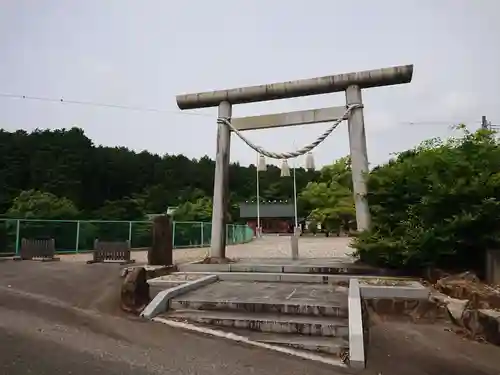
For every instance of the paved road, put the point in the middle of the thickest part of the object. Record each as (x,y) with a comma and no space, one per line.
(62,318)
(46,329)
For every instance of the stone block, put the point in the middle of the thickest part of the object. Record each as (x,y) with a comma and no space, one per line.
(489,320)
(295,269)
(198,267)
(160,303)
(409,290)
(456,309)
(135,291)
(270,268)
(250,276)
(356,330)
(160,252)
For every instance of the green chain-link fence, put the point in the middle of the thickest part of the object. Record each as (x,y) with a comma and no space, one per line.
(73,236)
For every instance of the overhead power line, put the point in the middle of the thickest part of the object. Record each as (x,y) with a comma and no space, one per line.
(62,100)
(99,104)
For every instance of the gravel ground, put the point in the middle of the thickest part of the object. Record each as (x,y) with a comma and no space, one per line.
(266,247)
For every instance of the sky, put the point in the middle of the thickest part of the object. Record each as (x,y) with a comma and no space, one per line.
(142,54)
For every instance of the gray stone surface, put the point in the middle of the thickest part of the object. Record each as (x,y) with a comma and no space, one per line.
(262,291)
(285,298)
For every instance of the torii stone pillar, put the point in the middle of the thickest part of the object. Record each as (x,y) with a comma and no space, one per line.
(351,83)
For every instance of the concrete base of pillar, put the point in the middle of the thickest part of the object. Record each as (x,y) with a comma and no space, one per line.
(216,260)
(295,246)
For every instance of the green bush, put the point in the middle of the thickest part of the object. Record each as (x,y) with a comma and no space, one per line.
(435,206)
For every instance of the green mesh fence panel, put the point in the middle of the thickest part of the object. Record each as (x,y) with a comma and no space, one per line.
(141,234)
(248,234)
(229,234)
(78,236)
(187,234)
(63,232)
(8,235)
(207,233)
(238,234)
(102,230)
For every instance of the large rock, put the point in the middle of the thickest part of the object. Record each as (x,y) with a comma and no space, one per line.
(135,291)
(456,309)
(489,320)
(151,271)
(466,286)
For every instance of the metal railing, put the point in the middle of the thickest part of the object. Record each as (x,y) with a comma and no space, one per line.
(74,236)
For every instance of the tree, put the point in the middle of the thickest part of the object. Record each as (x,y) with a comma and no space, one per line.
(200,210)
(330,201)
(35,204)
(122,209)
(64,162)
(437,205)
(32,204)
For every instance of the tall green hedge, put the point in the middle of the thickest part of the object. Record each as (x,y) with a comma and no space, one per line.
(437,205)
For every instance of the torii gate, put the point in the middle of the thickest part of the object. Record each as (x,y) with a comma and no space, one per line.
(351,83)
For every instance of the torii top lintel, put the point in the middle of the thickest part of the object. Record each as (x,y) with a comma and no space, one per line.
(283,90)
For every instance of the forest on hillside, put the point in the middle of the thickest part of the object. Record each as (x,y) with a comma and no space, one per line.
(118,183)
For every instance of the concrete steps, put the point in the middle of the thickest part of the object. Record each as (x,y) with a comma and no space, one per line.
(321,345)
(276,307)
(266,322)
(327,345)
(311,318)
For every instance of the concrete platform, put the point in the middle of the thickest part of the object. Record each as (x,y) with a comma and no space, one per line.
(284,298)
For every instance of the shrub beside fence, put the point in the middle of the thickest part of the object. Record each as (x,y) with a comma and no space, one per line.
(73,236)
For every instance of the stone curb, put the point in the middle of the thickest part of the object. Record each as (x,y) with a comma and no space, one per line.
(356,340)
(288,277)
(160,302)
(273,268)
(151,271)
(414,290)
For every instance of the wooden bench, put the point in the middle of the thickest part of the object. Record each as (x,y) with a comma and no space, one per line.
(111,252)
(43,250)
